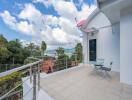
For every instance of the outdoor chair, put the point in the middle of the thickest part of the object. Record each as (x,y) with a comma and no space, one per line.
(99,63)
(106,69)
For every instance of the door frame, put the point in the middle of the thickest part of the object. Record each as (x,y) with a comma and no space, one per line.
(90,37)
(95,55)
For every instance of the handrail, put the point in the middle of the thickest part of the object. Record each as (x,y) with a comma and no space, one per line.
(34,75)
(2,74)
(5,95)
(30,65)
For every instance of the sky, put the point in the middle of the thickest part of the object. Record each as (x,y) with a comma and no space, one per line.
(52,21)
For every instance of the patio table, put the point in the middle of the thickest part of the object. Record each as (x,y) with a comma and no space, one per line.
(97,66)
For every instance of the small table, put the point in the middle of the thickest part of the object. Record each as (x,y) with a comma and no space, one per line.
(97,66)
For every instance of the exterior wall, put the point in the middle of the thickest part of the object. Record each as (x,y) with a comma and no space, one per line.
(85,49)
(108,41)
(126,46)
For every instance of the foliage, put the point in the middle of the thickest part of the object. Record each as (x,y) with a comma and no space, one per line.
(78,52)
(34,50)
(31,46)
(4,53)
(73,57)
(4,67)
(13,52)
(60,51)
(43,47)
(62,59)
(10,81)
(29,60)
(11,77)
(3,41)
(18,53)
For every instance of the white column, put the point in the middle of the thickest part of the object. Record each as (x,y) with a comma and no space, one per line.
(126,46)
(85,48)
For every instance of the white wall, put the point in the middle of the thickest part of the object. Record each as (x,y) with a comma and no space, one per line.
(108,42)
(85,49)
(126,46)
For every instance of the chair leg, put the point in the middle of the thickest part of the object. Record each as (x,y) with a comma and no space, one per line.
(108,75)
(104,73)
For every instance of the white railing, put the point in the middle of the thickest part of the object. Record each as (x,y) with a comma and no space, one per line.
(34,76)
(34,71)
(2,74)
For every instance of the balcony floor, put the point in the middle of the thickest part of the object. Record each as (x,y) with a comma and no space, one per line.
(84,84)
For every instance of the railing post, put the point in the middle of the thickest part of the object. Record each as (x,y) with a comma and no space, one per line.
(34,84)
(39,76)
(75,59)
(66,63)
(30,71)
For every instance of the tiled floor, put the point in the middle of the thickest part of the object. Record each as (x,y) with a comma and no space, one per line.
(84,84)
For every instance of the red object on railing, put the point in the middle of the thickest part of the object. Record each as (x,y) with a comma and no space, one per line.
(47,65)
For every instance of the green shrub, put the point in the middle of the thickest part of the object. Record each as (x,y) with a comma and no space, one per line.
(13,77)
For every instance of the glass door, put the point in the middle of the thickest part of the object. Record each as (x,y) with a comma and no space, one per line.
(92,50)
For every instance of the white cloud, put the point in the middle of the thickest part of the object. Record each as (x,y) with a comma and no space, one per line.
(32,22)
(8,19)
(33,15)
(51,36)
(62,7)
(86,11)
(30,12)
(47,35)
(59,35)
(66,9)
(51,20)
(47,3)
(22,26)
(68,26)
(25,27)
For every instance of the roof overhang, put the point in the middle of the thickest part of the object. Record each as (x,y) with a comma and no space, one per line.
(82,25)
(90,17)
(90,30)
(112,8)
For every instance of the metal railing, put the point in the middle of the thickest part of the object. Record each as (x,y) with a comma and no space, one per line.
(61,64)
(33,70)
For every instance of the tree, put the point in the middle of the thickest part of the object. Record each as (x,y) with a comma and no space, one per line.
(31,46)
(78,52)
(3,41)
(4,54)
(62,59)
(18,52)
(43,47)
(60,51)
(14,46)
(35,50)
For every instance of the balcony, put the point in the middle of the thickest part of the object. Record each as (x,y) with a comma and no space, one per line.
(81,83)
(77,83)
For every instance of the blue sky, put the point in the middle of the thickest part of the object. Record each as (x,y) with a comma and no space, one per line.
(48,20)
